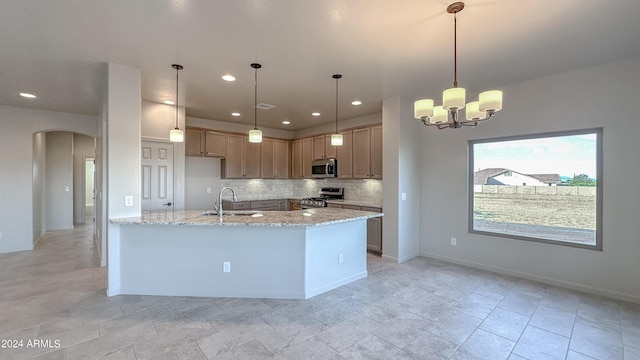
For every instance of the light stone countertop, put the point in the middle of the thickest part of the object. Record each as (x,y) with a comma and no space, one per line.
(367,203)
(313,217)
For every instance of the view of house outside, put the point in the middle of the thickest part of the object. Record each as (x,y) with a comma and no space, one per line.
(537,187)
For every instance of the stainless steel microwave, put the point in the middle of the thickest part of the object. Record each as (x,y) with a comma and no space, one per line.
(326,168)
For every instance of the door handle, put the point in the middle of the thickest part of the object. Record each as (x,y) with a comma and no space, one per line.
(168,204)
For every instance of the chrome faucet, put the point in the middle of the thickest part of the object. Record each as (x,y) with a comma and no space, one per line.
(235,198)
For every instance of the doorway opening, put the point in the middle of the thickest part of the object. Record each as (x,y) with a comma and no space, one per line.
(89,190)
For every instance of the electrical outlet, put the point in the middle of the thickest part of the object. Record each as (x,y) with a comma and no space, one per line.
(209,190)
(226,266)
(128,200)
(404,196)
(340,258)
(454,241)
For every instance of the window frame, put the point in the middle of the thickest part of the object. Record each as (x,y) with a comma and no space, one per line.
(599,186)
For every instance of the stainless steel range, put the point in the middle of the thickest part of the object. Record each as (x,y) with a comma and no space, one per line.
(325,194)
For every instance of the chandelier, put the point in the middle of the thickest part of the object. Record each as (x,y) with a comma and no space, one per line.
(453,99)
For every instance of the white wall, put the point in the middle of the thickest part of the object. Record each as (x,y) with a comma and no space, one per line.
(59,181)
(401,174)
(16,166)
(123,140)
(201,173)
(603,96)
(38,184)
(83,147)
(233,127)
(342,124)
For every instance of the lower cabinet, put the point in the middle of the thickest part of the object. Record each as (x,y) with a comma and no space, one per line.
(263,205)
(374,226)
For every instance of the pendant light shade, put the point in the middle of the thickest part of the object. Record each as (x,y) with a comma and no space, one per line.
(177,135)
(336,139)
(255,135)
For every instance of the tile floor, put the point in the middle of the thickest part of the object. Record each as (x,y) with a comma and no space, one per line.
(53,300)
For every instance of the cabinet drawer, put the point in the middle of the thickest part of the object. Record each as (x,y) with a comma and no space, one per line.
(334,205)
(372,209)
(236,205)
(263,204)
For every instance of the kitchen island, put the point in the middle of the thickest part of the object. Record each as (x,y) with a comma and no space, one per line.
(270,254)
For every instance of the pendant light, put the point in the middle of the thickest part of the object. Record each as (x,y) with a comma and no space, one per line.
(453,99)
(176,135)
(255,135)
(336,139)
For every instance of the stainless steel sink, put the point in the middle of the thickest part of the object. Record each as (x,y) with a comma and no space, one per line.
(232,213)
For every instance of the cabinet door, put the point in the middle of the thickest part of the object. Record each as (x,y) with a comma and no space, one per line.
(330,150)
(215,144)
(296,159)
(318,147)
(281,159)
(194,143)
(252,157)
(307,157)
(283,205)
(269,158)
(232,164)
(362,153)
(344,154)
(374,235)
(376,152)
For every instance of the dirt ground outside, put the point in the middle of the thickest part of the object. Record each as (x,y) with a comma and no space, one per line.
(573,216)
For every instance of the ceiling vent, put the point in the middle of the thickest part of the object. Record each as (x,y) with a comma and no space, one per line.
(264,106)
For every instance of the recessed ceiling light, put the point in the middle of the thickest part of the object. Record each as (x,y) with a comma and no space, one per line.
(28,95)
(356,102)
(228,77)
(235,114)
(286,122)
(315,114)
(169,102)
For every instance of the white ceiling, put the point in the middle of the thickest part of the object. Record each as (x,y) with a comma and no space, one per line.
(58,48)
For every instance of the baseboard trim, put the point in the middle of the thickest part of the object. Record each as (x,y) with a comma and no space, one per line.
(400,260)
(543,279)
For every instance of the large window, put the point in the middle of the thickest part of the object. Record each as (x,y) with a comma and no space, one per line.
(543,187)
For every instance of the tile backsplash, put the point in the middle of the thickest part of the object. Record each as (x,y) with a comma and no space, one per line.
(271,188)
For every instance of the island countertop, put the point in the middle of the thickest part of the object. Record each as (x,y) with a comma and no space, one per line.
(307,217)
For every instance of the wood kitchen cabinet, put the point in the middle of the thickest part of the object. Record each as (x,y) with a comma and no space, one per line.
(322,148)
(374,226)
(344,156)
(374,231)
(301,158)
(242,160)
(275,159)
(215,144)
(367,153)
(204,143)
(296,159)
(194,144)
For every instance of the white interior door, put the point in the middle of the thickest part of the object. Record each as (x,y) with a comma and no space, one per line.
(157,176)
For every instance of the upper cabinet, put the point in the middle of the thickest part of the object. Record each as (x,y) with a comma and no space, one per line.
(367,153)
(275,159)
(242,160)
(194,142)
(215,144)
(301,158)
(344,155)
(204,143)
(359,157)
